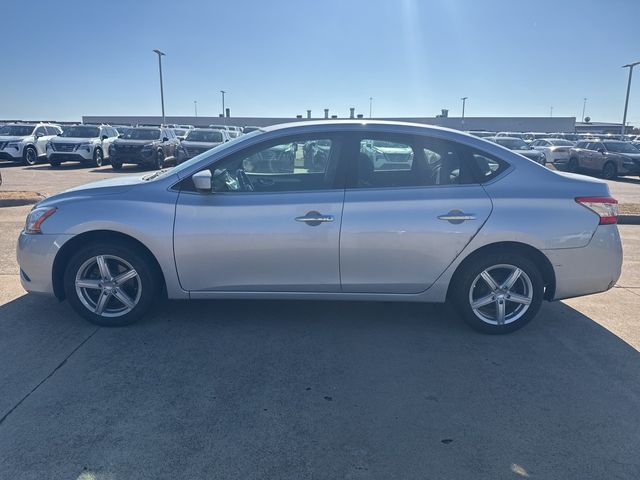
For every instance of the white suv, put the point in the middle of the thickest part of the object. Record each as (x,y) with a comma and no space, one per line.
(26,142)
(87,144)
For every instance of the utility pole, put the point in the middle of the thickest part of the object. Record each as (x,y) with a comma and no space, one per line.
(195,107)
(222,92)
(626,102)
(464,101)
(584,106)
(551,112)
(370,106)
(160,55)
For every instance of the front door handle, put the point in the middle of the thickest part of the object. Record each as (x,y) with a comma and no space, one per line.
(456,216)
(314,218)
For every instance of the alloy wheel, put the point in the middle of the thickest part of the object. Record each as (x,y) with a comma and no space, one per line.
(31,157)
(501,294)
(108,286)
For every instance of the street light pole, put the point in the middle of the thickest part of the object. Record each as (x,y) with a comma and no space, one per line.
(195,107)
(370,105)
(584,106)
(160,55)
(464,101)
(626,102)
(551,112)
(222,92)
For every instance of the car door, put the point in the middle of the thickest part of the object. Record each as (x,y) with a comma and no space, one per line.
(41,137)
(595,157)
(112,135)
(262,231)
(403,226)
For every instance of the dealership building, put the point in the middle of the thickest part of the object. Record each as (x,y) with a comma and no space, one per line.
(492,124)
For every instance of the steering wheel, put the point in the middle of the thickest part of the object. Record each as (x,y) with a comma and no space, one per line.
(244,180)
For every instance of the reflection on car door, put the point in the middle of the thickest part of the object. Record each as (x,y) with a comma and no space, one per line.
(402,228)
(281,237)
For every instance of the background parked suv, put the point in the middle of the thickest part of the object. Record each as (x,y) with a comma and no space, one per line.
(609,158)
(150,146)
(26,142)
(87,144)
(199,140)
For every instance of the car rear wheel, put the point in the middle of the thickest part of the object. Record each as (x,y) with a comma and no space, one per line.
(498,293)
(30,156)
(573,166)
(609,171)
(110,284)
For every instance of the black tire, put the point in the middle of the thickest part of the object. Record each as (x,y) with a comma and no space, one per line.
(54,163)
(97,158)
(116,165)
(159,164)
(468,277)
(30,156)
(609,171)
(573,166)
(146,276)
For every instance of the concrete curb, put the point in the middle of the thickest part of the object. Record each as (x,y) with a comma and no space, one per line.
(29,198)
(629,219)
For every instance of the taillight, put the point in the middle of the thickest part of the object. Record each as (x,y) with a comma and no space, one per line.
(605,207)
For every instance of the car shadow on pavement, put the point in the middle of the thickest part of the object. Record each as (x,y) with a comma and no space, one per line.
(249,389)
(627,180)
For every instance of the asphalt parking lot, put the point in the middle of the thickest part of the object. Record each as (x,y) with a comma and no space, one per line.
(267,389)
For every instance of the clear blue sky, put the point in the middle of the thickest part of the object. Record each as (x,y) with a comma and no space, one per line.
(62,59)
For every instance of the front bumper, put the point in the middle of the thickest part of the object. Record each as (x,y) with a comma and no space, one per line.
(83,156)
(11,154)
(36,254)
(590,269)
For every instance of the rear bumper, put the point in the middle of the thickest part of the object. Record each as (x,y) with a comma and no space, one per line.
(590,269)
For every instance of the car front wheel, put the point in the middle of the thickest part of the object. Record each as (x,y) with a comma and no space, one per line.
(110,284)
(498,293)
(30,156)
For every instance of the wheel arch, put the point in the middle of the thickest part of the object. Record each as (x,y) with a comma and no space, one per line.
(66,251)
(532,253)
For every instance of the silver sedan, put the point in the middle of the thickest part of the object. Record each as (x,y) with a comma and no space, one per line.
(459,219)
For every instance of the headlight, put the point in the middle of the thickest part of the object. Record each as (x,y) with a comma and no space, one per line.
(84,146)
(15,145)
(36,217)
(48,145)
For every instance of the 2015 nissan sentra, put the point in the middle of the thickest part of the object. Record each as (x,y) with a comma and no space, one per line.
(459,219)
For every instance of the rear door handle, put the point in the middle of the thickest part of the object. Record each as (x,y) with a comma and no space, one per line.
(314,218)
(456,216)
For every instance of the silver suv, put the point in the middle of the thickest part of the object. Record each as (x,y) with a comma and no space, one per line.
(87,144)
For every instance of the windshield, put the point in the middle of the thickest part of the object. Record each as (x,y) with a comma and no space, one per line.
(513,143)
(142,134)
(621,147)
(561,143)
(208,153)
(81,132)
(179,131)
(16,130)
(204,136)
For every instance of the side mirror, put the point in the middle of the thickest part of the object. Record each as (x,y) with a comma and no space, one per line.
(601,150)
(39,134)
(202,181)
(104,137)
(165,139)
